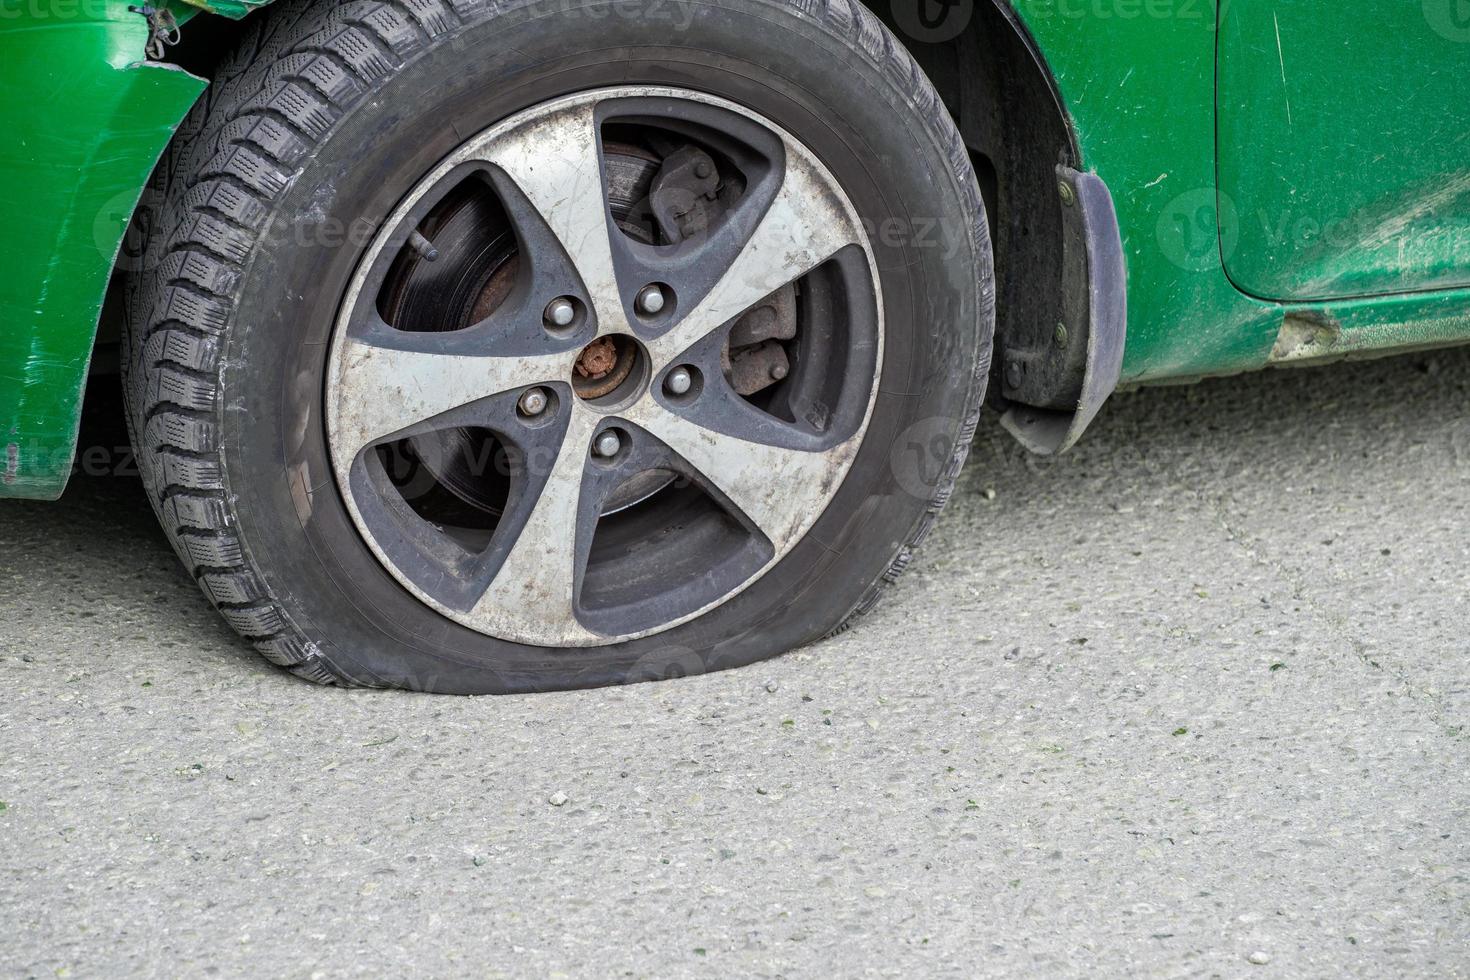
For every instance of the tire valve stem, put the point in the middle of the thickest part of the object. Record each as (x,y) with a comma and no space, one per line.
(423,246)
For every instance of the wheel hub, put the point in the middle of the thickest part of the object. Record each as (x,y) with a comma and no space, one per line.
(597,359)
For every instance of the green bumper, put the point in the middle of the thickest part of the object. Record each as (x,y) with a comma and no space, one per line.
(85,119)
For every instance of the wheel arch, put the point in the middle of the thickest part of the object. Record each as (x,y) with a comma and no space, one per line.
(1060,325)
(1060,278)
(1058,272)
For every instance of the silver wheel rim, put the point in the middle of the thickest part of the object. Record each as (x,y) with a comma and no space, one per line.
(385,384)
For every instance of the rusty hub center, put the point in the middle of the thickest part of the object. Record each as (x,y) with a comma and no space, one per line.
(604,365)
(598,359)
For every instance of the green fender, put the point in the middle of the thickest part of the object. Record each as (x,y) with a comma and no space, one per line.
(1139,87)
(1138,82)
(86,119)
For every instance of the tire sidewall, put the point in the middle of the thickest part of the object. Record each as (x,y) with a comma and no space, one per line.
(784,66)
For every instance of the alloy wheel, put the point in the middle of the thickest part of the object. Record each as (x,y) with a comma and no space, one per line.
(604,366)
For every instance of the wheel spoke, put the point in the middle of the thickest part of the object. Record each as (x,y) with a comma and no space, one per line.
(802,228)
(532,595)
(379,390)
(774,487)
(554,161)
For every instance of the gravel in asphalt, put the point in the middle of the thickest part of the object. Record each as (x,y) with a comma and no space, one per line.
(1191,700)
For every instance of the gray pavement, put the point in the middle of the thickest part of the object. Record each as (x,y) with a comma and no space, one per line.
(1191,701)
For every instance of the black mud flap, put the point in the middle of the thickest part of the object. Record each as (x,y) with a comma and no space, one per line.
(1091,234)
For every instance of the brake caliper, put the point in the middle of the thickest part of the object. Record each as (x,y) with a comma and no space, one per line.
(683,193)
(756,357)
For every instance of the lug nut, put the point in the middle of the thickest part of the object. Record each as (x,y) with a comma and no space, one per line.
(533,402)
(650,300)
(679,381)
(607,444)
(561,312)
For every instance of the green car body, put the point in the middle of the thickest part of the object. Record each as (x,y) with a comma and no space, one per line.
(1291,179)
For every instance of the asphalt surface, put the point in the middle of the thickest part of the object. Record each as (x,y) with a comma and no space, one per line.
(1191,701)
